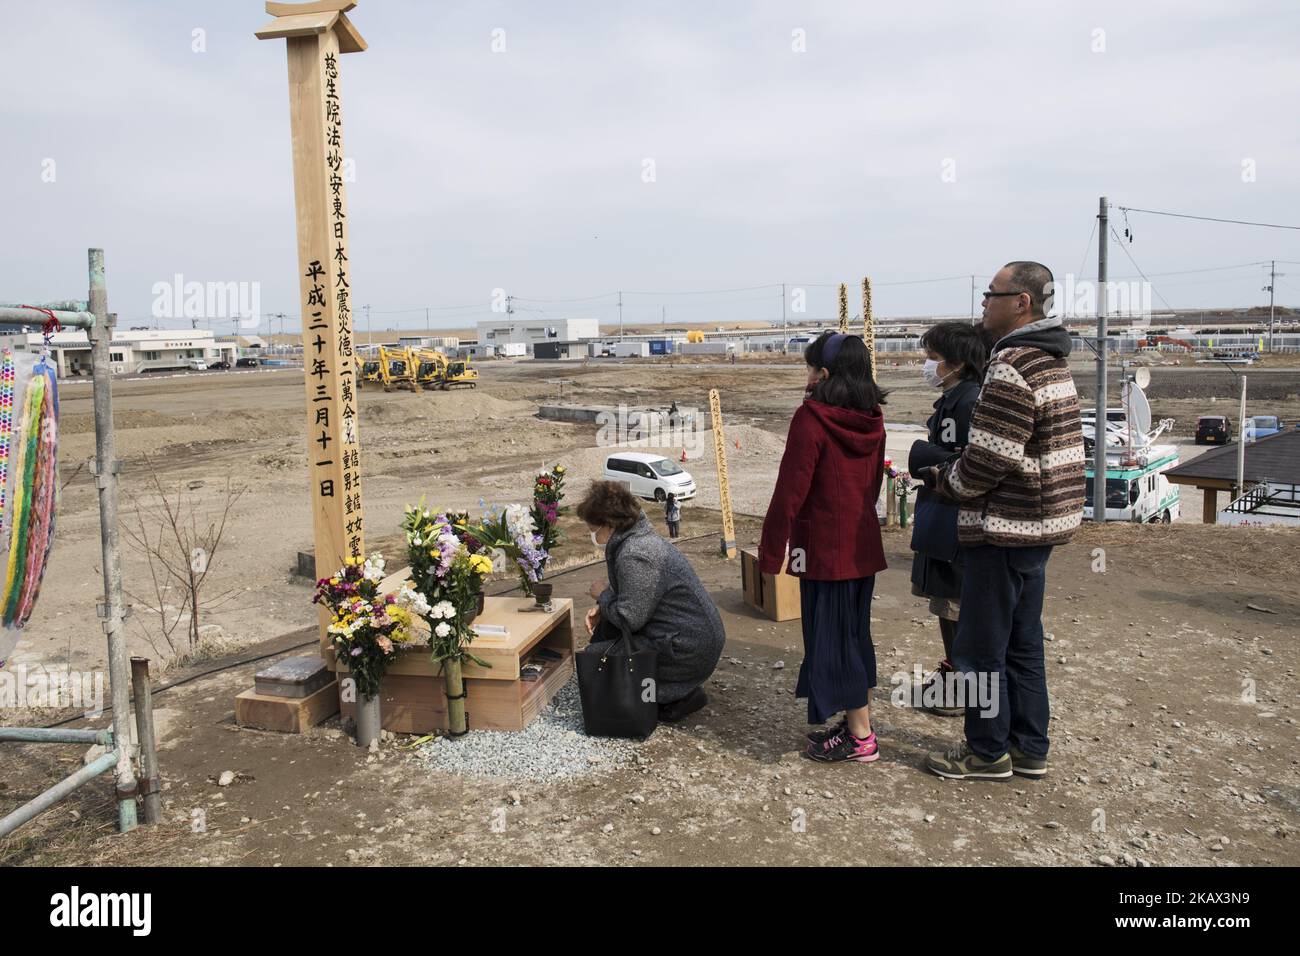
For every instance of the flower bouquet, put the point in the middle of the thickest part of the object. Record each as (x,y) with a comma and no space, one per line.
(548,492)
(365,628)
(511,536)
(900,485)
(447,572)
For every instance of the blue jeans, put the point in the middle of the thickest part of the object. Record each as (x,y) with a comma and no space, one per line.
(1000,633)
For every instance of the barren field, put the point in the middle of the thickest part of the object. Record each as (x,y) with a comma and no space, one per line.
(1147,662)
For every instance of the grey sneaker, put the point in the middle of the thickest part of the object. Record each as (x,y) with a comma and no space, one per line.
(1024,765)
(961,763)
(934,693)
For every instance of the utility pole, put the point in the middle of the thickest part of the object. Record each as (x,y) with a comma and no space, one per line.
(785,335)
(1272,281)
(1099,428)
(369,338)
(280,316)
(1241,443)
(620,313)
(427,326)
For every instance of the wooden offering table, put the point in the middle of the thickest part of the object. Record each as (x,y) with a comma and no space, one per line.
(413,697)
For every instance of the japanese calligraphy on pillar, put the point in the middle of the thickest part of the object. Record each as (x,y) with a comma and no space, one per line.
(315,35)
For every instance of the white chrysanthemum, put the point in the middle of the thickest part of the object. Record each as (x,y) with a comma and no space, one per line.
(410,598)
(443,629)
(444,609)
(519,521)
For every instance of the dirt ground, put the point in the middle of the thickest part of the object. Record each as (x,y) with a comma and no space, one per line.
(1149,662)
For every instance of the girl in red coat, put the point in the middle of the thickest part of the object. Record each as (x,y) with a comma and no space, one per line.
(824,508)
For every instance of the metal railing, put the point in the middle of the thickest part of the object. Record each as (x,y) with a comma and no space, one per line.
(93,316)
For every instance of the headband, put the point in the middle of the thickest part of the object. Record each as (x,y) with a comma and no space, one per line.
(832,349)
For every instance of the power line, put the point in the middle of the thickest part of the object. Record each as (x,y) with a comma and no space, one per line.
(876,285)
(1180,215)
(752,288)
(1123,245)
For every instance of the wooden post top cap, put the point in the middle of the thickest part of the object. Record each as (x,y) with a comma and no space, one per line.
(308,19)
(317,6)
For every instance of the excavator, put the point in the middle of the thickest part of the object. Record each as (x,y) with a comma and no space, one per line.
(392,368)
(435,370)
(397,368)
(367,370)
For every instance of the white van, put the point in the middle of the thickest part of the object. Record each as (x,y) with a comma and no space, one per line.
(197,365)
(650,476)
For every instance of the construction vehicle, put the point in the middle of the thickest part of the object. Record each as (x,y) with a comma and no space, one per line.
(392,368)
(435,370)
(1163,342)
(367,370)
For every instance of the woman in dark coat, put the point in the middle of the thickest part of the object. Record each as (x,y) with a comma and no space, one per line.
(956,354)
(653,595)
(824,508)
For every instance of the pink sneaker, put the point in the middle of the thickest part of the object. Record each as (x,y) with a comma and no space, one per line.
(844,746)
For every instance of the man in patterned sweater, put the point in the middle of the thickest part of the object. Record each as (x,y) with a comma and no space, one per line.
(1019,482)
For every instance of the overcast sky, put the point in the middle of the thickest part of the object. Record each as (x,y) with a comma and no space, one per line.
(905,142)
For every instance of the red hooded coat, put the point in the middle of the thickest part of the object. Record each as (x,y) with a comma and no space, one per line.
(824,504)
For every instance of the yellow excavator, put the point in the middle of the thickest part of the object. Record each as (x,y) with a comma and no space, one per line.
(367,370)
(398,368)
(435,370)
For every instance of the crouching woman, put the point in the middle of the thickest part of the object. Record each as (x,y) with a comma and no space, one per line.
(654,596)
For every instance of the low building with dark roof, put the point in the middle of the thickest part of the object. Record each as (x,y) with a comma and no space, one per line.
(1272,461)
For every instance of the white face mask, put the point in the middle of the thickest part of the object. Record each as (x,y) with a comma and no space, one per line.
(593,539)
(930,372)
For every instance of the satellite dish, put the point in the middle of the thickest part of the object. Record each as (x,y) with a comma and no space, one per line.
(1138,408)
(1142,377)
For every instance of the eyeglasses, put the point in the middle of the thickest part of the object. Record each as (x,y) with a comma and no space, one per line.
(995,295)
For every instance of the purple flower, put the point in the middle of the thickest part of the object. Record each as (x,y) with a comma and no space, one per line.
(356,652)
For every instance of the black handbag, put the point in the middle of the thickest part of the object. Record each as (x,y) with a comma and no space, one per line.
(934,526)
(617,687)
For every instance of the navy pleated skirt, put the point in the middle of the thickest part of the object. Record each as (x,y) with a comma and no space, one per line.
(839,660)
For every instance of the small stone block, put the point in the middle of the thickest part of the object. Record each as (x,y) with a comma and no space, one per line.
(293,677)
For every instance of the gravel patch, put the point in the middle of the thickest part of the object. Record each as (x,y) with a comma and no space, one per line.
(552,747)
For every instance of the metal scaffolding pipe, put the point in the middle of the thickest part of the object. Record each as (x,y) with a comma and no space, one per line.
(18,316)
(57,792)
(55,735)
(150,782)
(106,467)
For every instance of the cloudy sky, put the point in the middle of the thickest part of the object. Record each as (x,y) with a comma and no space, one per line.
(794,143)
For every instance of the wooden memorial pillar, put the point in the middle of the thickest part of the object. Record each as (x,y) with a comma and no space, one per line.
(869,326)
(315,35)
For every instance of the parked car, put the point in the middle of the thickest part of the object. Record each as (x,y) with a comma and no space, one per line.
(1213,430)
(1261,426)
(650,476)
(224,366)
(246,363)
(197,365)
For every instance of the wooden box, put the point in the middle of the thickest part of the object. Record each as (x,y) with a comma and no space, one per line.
(776,595)
(289,715)
(412,695)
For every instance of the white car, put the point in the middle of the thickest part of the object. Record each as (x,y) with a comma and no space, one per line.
(650,476)
(197,365)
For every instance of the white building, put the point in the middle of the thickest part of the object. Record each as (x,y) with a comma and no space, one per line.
(498,332)
(131,350)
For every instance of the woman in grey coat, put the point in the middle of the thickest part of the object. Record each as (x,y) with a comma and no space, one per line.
(653,595)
